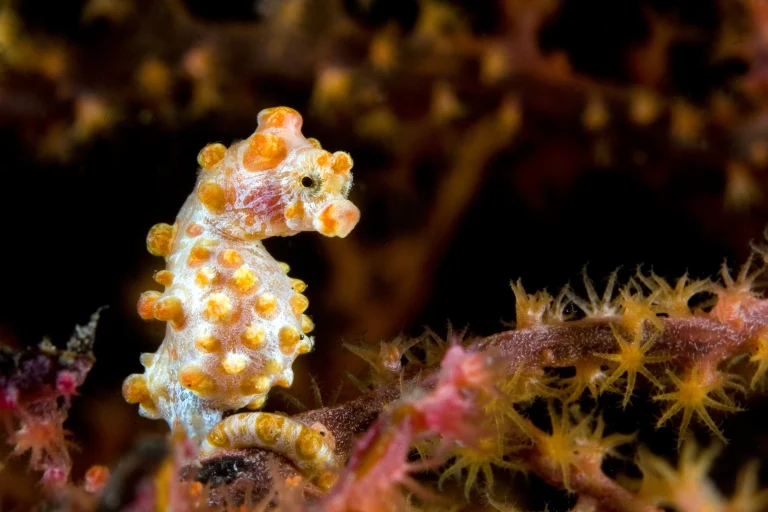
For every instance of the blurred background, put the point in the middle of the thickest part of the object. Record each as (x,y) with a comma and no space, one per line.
(492,140)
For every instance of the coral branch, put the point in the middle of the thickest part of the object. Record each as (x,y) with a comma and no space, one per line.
(568,343)
(569,457)
(607,493)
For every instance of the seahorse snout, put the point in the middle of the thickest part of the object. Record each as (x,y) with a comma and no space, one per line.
(337,218)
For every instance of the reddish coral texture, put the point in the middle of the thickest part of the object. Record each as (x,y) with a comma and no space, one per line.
(36,386)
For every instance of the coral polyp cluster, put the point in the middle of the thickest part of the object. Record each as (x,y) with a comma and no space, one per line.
(236,320)
(467,407)
(36,388)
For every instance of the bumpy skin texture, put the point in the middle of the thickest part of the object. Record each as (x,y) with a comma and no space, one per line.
(309,447)
(235,318)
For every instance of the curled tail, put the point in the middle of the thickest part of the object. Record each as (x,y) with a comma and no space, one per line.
(309,448)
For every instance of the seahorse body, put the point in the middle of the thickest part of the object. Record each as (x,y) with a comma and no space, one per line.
(236,320)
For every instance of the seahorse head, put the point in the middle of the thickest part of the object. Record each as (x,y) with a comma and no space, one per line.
(277,183)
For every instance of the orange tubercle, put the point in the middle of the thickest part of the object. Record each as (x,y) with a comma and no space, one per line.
(299,304)
(264,151)
(256,385)
(208,343)
(211,155)
(233,363)
(135,389)
(160,240)
(289,337)
(146,304)
(198,255)
(266,305)
(324,159)
(298,285)
(253,337)
(337,219)
(194,230)
(230,258)
(244,280)
(342,162)
(164,277)
(218,308)
(193,378)
(212,196)
(294,210)
(279,117)
(307,325)
(169,309)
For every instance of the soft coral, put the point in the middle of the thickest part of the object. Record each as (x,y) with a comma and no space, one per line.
(36,386)
(45,438)
(692,395)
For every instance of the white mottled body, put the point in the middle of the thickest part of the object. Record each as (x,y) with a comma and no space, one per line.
(242,371)
(236,320)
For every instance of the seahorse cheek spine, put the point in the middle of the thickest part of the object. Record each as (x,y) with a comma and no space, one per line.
(235,320)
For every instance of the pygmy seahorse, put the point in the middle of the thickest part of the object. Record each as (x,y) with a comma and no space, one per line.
(236,321)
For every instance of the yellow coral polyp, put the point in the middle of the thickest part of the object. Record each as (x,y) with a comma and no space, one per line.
(577,444)
(299,304)
(589,374)
(631,359)
(559,446)
(692,396)
(205,276)
(759,355)
(686,486)
(254,337)
(257,385)
(673,302)
(529,309)
(230,258)
(476,460)
(596,306)
(636,310)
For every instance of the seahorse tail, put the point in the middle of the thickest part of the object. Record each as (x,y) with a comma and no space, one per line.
(310,449)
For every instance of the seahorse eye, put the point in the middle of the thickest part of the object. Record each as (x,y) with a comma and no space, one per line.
(307,182)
